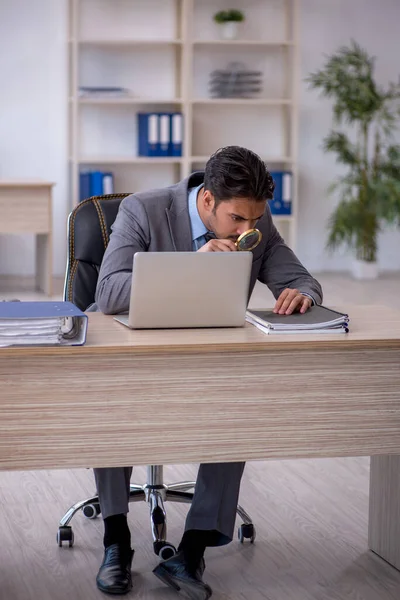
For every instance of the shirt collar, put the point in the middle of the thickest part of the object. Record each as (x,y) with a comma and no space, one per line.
(197,225)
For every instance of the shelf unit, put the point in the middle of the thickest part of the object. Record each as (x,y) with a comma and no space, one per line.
(165,63)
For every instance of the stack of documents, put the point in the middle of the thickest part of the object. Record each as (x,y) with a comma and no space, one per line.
(101,91)
(318,319)
(41,324)
(235,82)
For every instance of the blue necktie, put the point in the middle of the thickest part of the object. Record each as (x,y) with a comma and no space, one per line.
(203,239)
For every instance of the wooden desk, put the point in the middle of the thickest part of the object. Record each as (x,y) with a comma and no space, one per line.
(158,397)
(26,207)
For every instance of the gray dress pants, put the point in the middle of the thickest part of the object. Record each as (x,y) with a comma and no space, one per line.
(214,503)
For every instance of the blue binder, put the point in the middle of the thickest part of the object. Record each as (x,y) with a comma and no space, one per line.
(29,323)
(108,183)
(164,124)
(84,185)
(281,204)
(96,183)
(148,134)
(176,134)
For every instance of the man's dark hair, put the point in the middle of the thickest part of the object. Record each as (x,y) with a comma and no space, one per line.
(235,172)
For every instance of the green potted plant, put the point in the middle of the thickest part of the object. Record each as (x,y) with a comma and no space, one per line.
(229,20)
(365,115)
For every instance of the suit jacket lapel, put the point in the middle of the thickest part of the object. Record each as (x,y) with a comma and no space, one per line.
(180,230)
(178,213)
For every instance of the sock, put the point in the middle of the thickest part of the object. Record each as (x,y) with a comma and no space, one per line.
(194,543)
(116,531)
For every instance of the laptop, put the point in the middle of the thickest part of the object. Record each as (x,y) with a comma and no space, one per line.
(188,289)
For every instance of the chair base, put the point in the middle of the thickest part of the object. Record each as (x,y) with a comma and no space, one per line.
(155,493)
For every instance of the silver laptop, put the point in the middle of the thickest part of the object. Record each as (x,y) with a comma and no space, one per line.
(188,289)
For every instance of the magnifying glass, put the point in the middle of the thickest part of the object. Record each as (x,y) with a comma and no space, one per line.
(248,240)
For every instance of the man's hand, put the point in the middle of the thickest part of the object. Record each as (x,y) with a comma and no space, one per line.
(216,245)
(292,301)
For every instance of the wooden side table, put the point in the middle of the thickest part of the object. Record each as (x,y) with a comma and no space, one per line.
(26,207)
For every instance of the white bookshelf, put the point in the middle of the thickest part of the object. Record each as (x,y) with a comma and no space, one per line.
(163,51)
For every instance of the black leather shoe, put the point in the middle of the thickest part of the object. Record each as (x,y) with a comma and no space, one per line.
(186,581)
(114,576)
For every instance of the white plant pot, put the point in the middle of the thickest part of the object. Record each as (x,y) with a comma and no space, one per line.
(364,270)
(229,30)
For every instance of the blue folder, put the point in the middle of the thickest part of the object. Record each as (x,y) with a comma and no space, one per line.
(176,134)
(281,204)
(25,320)
(164,133)
(84,185)
(148,134)
(96,183)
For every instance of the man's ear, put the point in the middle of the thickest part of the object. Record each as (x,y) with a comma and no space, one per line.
(208,201)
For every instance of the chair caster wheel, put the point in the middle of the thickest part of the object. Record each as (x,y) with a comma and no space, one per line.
(247,532)
(91,511)
(65,534)
(164,550)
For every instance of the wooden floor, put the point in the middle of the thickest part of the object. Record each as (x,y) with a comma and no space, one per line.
(311,519)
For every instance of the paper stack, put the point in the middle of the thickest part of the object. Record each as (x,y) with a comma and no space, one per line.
(41,324)
(235,82)
(318,319)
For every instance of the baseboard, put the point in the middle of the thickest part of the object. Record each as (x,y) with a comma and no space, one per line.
(14,284)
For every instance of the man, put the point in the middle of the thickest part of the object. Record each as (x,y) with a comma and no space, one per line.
(227,199)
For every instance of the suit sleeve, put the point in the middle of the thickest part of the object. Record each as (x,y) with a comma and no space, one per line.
(281,269)
(130,234)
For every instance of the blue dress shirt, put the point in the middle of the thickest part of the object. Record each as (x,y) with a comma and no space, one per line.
(199,230)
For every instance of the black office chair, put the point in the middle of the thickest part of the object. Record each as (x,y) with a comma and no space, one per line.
(89,227)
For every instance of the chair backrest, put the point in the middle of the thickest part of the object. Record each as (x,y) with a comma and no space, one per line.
(89,227)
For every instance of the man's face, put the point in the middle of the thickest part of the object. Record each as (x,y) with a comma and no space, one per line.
(233,217)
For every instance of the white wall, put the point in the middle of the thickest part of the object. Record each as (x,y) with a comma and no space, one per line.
(33,113)
(324,26)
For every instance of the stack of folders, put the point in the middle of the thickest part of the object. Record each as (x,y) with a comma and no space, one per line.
(318,319)
(41,324)
(103,91)
(235,82)
(95,183)
(160,134)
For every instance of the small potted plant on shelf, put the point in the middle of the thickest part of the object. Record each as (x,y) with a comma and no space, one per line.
(229,20)
(365,115)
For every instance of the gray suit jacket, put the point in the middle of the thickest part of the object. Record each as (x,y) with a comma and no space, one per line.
(158,221)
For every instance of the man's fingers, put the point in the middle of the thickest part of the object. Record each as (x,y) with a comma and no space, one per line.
(217,245)
(291,300)
(281,300)
(229,245)
(307,302)
(300,302)
(286,303)
(294,304)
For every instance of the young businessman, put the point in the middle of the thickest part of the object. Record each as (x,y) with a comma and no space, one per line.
(227,199)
